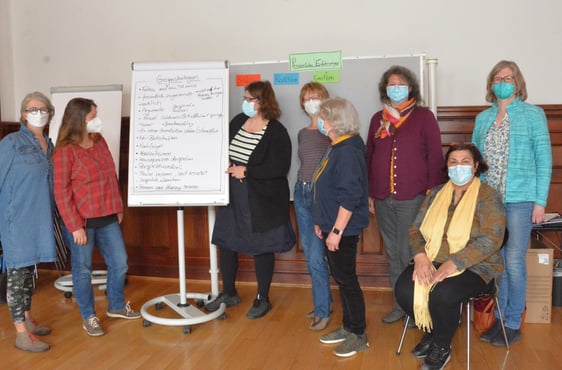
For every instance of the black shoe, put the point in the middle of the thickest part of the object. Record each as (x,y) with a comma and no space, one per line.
(421,350)
(229,300)
(513,335)
(260,307)
(490,334)
(437,358)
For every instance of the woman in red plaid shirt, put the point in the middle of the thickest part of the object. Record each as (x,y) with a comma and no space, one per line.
(88,198)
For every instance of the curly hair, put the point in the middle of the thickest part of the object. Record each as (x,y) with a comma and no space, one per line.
(406,74)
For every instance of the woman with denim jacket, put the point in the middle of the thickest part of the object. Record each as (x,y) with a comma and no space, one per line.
(513,136)
(26,213)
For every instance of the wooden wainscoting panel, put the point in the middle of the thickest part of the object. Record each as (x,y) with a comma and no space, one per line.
(151,232)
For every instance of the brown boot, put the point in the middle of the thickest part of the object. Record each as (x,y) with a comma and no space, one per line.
(27,342)
(34,328)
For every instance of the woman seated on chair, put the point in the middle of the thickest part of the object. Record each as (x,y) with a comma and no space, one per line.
(455,241)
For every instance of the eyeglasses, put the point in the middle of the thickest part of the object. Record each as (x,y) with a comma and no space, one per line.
(35,110)
(508,79)
(249,99)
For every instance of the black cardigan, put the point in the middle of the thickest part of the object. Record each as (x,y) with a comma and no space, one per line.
(266,174)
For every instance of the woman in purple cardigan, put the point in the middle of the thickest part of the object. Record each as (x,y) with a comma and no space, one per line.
(404,161)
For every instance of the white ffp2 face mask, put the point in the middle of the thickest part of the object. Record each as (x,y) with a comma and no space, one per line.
(38,119)
(312,107)
(94,125)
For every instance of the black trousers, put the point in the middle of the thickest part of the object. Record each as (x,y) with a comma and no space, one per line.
(343,269)
(444,300)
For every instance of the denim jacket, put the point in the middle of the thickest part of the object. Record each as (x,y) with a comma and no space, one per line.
(26,200)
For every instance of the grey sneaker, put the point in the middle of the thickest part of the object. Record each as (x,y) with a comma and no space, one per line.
(337,336)
(353,344)
(34,328)
(311,314)
(27,342)
(92,327)
(393,316)
(125,313)
(319,323)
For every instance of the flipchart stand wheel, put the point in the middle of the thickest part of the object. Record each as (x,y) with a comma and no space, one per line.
(64,283)
(189,313)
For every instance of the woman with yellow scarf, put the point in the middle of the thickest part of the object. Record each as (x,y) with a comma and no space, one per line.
(455,242)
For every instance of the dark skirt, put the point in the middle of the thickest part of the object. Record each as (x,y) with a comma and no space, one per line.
(233,227)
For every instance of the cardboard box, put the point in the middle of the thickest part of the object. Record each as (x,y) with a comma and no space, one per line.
(539,285)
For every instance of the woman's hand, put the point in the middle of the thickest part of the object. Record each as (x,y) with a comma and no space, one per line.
(538,214)
(446,269)
(237,172)
(372,205)
(120,217)
(333,242)
(318,232)
(80,236)
(423,270)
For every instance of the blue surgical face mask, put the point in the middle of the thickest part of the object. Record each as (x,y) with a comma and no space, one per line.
(460,175)
(321,128)
(503,90)
(397,93)
(248,108)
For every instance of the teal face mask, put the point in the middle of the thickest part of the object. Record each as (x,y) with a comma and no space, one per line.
(503,90)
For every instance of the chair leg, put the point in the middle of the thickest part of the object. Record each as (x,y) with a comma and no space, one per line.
(502,323)
(403,334)
(468,323)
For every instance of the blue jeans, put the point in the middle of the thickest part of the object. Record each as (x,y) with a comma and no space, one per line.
(394,218)
(109,241)
(314,250)
(513,283)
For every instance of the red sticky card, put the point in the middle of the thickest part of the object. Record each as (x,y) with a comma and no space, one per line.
(245,80)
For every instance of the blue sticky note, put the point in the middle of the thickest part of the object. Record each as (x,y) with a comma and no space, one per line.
(285,78)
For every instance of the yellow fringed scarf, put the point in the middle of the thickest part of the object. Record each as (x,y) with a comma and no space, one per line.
(432,229)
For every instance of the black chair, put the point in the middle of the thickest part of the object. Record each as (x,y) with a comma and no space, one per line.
(469,303)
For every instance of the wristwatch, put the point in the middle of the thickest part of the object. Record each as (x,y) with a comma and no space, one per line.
(336,231)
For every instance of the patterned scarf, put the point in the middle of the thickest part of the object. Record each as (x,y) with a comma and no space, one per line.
(432,229)
(393,118)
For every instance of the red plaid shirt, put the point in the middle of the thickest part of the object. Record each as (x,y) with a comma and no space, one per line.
(85,184)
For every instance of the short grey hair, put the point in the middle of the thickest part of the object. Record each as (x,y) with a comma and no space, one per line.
(36,95)
(342,115)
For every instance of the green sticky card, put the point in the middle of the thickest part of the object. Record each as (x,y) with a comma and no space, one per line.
(330,60)
(326,77)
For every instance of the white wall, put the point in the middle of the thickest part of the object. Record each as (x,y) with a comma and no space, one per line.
(77,42)
(7,101)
